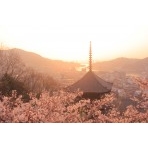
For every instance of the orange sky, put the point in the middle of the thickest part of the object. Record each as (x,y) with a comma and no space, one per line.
(63,29)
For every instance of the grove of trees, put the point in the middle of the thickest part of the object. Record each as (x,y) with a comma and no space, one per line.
(14,75)
(64,107)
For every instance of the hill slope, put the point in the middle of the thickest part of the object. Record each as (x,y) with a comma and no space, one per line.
(52,67)
(57,67)
(123,64)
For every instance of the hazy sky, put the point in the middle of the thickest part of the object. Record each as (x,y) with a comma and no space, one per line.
(62,29)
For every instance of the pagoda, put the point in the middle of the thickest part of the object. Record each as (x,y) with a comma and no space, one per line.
(90,84)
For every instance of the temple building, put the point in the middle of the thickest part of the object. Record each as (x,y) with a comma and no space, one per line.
(90,84)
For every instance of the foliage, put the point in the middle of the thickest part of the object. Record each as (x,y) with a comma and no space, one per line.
(61,107)
(14,75)
(8,83)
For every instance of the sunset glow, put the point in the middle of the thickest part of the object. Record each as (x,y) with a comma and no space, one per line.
(63,30)
(73,61)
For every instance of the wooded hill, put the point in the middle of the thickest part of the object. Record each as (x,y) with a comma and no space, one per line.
(57,67)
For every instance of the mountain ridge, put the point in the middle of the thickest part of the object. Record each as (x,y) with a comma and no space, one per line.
(42,64)
(128,65)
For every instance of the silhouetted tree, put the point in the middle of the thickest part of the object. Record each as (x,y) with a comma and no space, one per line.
(8,83)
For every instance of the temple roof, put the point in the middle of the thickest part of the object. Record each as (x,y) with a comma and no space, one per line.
(91,83)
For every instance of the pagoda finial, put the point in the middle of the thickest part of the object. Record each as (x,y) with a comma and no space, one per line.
(90,58)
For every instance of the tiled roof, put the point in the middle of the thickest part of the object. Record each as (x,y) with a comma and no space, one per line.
(91,83)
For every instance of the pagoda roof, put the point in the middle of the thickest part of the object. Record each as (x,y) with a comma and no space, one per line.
(91,83)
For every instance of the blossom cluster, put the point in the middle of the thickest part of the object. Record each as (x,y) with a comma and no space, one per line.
(62,108)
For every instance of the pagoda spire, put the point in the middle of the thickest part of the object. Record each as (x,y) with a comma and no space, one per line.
(90,58)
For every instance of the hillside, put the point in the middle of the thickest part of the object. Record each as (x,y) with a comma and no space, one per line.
(58,68)
(137,66)
(45,65)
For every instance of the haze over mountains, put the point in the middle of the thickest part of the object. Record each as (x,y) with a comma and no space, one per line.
(136,66)
(44,64)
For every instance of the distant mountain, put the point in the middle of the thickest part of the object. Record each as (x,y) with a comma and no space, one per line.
(137,66)
(61,68)
(52,67)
